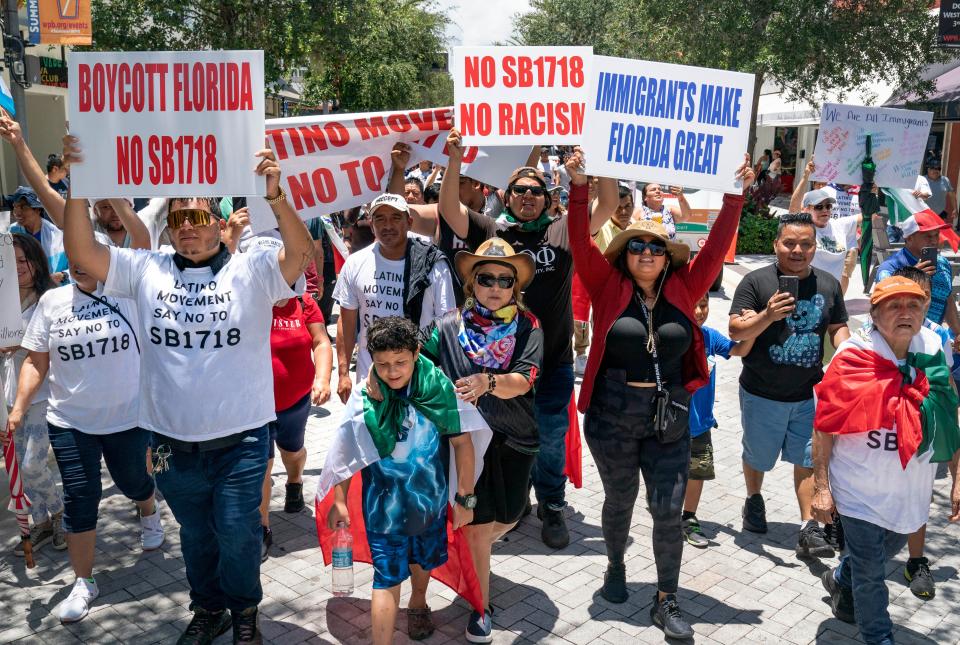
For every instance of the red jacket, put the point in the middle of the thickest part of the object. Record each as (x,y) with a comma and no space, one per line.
(610,290)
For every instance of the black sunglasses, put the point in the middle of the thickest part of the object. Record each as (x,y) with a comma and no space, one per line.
(537,191)
(823,207)
(638,246)
(487,280)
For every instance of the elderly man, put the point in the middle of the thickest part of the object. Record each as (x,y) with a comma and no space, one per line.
(836,237)
(886,415)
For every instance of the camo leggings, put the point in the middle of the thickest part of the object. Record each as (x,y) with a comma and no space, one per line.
(618,429)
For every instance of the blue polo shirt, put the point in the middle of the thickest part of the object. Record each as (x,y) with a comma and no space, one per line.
(941,283)
(701,403)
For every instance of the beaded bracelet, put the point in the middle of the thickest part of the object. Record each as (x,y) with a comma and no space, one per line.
(491,383)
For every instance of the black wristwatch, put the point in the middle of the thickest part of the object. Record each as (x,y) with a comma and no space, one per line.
(469,502)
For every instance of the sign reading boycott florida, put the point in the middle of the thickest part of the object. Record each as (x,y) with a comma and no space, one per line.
(898,140)
(520,95)
(162,124)
(672,124)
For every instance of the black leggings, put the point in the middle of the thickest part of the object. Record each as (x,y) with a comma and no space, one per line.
(618,429)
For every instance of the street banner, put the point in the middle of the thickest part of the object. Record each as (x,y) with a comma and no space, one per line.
(59,22)
(673,124)
(898,137)
(520,95)
(11,324)
(167,124)
(949,32)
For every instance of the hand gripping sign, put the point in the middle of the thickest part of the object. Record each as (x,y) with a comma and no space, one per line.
(163,124)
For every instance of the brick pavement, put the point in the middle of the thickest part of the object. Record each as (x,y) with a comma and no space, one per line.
(744,587)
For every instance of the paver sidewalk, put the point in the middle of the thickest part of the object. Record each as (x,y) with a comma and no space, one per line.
(744,587)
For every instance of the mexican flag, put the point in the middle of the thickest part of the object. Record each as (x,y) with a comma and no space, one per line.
(353,448)
(864,389)
(340,251)
(902,204)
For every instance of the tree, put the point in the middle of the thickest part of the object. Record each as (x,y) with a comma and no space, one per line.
(810,48)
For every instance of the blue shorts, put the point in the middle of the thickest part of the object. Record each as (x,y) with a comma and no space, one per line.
(392,555)
(773,429)
(291,424)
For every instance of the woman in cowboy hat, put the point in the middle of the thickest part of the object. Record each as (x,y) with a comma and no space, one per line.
(648,357)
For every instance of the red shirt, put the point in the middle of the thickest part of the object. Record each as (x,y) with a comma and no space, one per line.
(291,348)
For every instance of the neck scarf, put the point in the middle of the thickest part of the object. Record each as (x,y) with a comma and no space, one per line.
(508,220)
(489,337)
(429,392)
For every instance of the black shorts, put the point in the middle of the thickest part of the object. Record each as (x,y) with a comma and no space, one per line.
(701,457)
(504,485)
(291,424)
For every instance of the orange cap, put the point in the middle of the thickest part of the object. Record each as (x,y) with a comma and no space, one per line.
(895,285)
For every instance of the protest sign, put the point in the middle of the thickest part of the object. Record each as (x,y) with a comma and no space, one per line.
(520,95)
(673,124)
(11,324)
(166,124)
(490,165)
(899,138)
(59,22)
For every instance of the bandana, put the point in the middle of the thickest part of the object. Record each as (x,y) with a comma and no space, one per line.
(507,220)
(489,337)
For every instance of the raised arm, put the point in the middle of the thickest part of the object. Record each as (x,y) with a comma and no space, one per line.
(796,199)
(53,202)
(594,270)
(534,157)
(606,203)
(136,229)
(684,214)
(451,209)
(399,158)
(297,252)
(78,240)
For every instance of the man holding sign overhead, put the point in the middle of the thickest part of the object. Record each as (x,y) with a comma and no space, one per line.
(205,313)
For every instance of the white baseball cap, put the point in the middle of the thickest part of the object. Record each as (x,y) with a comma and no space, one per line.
(389,199)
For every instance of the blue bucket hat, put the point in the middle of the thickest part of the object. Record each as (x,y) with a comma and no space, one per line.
(28,195)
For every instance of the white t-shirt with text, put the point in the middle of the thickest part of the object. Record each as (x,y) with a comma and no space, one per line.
(834,242)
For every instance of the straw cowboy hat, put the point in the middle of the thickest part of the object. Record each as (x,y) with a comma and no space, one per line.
(679,253)
(496,251)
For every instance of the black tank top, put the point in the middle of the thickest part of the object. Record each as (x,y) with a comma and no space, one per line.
(626,347)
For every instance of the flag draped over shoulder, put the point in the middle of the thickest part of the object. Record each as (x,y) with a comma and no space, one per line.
(353,449)
(865,389)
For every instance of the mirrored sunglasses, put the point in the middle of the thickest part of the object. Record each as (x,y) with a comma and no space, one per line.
(196,217)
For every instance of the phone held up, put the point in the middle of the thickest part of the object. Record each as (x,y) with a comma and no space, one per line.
(929,254)
(789,284)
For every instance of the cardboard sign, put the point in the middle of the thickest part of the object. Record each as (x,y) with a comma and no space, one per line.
(520,95)
(673,124)
(59,22)
(899,139)
(167,124)
(11,324)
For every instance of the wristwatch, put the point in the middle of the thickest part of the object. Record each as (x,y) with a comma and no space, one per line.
(469,502)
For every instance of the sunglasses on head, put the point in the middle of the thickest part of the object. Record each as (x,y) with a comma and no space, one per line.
(823,207)
(638,246)
(538,191)
(196,216)
(487,280)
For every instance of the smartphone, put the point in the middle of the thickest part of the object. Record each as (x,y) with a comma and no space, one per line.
(790,284)
(929,254)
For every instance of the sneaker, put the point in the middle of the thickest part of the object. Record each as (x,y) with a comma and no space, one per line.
(151,530)
(294,501)
(580,364)
(615,583)
(480,628)
(841,598)
(419,623)
(266,544)
(205,626)
(77,604)
(813,543)
(666,615)
(755,514)
(693,534)
(40,534)
(917,573)
(554,531)
(59,534)
(245,626)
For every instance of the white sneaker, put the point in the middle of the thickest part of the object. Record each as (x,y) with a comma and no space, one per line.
(580,364)
(151,534)
(77,604)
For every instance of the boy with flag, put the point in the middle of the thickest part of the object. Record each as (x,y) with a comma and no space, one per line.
(397,442)
(886,415)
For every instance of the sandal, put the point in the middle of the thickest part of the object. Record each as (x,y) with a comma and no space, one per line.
(419,623)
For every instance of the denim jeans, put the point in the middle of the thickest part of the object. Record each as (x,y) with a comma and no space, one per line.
(862,568)
(215,497)
(551,404)
(78,456)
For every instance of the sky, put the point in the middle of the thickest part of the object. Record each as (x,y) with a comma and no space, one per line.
(481,22)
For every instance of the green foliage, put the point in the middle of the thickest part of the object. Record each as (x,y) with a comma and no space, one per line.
(756,234)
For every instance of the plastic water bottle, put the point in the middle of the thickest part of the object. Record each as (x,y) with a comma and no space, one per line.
(342,561)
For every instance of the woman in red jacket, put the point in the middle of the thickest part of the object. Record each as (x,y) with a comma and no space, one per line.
(637,384)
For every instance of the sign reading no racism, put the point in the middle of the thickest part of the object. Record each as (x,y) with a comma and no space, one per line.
(672,124)
(165,124)
(520,95)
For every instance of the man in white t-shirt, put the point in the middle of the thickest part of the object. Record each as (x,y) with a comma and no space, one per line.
(395,276)
(204,314)
(836,237)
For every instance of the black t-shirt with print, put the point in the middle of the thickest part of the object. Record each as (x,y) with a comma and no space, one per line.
(549,294)
(450,245)
(787,358)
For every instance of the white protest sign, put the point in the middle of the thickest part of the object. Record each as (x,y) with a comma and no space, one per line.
(672,124)
(898,138)
(520,95)
(11,325)
(166,124)
(490,165)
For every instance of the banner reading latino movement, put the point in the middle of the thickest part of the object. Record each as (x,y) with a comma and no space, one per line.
(163,124)
(520,95)
(673,124)
(59,22)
